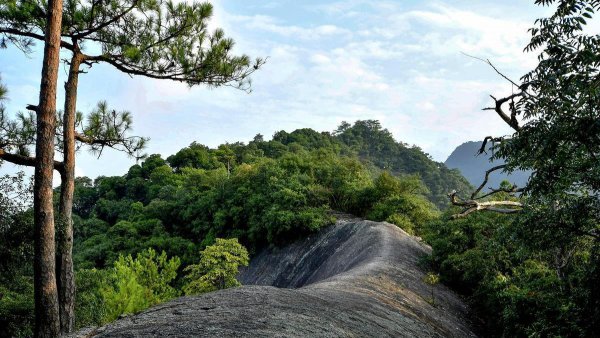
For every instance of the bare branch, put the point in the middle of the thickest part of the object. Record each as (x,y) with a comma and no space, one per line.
(486,178)
(511,207)
(512,190)
(512,119)
(485,142)
(488,62)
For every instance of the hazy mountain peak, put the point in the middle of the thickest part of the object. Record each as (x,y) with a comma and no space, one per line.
(473,166)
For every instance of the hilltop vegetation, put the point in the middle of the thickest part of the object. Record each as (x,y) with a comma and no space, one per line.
(264,193)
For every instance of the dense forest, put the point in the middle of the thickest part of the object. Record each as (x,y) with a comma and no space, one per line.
(263,193)
(156,219)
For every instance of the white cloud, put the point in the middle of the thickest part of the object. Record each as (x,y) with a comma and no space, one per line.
(402,66)
(272,25)
(398,62)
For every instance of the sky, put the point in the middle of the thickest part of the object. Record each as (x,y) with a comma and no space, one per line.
(404,63)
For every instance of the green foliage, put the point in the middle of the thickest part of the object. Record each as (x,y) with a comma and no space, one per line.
(373,143)
(155,38)
(16,308)
(90,307)
(265,193)
(399,201)
(3,94)
(195,156)
(536,271)
(217,268)
(16,228)
(432,279)
(16,258)
(517,290)
(136,284)
(131,286)
(111,127)
(559,139)
(251,192)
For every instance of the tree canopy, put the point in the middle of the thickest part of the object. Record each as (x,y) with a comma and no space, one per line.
(153,38)
(545,258)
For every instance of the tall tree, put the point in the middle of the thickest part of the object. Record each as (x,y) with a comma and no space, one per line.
(556,122)
(45,288)
(156,39)
(555,118)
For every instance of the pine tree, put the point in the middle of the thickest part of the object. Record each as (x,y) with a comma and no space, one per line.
(156,39)
(217,268)
(46,297)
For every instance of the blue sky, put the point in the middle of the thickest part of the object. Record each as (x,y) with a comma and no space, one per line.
(400,62)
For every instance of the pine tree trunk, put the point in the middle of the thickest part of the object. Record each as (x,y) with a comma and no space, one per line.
(47,322)
(64,233)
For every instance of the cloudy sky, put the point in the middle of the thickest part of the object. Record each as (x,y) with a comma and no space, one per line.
(400,62)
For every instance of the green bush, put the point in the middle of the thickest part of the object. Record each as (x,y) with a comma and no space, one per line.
(517,290)
(217,268)
(90,307)
(17,308)
(136,284)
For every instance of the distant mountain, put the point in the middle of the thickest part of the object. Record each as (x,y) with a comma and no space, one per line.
(473,166)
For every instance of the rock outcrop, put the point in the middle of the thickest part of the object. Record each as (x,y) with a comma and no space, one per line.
(356,278)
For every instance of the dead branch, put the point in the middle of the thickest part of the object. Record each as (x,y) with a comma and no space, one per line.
(485,142)
(522,87)
(512,119)
(485,179)
(512,190)
(503,207)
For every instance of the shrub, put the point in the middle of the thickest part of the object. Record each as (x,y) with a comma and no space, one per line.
(136,284)
(217,267)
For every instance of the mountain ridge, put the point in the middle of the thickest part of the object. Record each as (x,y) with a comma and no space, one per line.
(372,284)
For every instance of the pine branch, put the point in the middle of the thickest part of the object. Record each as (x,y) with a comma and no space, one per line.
(29,34)
(129,145)
(104,24)
(26,160)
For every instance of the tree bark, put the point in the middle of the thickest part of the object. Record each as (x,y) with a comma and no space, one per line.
(64,233)
(45,290)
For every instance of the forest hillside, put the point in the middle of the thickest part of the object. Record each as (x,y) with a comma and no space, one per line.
(264,194)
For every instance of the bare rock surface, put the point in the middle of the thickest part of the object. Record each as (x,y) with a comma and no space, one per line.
(354,279)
